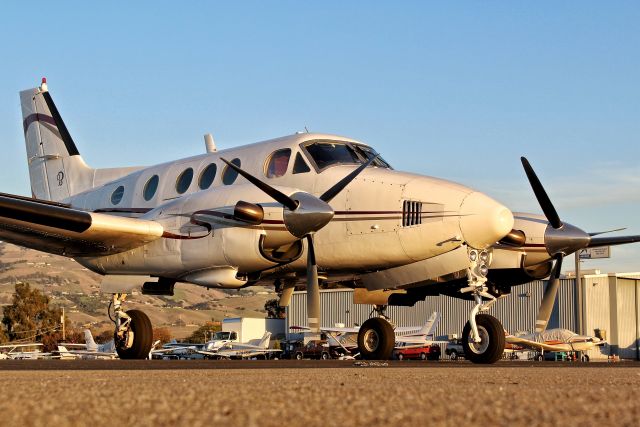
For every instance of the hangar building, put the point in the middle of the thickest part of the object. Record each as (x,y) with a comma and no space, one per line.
(605,305)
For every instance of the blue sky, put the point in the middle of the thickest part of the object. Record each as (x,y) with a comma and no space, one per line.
(456,90)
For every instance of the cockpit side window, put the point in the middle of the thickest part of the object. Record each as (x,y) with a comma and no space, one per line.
(278,163)
(327,153)
(300,166)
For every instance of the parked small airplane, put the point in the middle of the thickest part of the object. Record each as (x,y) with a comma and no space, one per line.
(562,340)
(252,348)
(279,212)
(90,350)
(14,351)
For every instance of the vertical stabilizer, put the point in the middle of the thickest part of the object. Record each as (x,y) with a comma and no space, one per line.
(56,168)
(429,328)
(88,339)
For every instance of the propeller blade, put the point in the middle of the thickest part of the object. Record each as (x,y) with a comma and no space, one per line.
(543,199)
(313,288)
(549,297)
(597,233)
(278,196)
(610,241)
(328,195)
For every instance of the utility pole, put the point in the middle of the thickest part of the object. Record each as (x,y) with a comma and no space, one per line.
(579,295)
(64,332)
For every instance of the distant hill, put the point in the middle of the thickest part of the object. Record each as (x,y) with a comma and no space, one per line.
(72,286)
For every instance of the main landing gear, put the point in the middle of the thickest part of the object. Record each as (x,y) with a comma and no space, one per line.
(483,335)
(376,337)
(133,334)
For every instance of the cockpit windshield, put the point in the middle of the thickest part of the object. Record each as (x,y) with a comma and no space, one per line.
(368,152)
(329,153)
(222,335)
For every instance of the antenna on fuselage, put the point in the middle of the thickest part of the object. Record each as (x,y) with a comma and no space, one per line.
(209,143)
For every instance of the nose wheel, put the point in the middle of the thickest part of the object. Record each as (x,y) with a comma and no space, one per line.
(490,347)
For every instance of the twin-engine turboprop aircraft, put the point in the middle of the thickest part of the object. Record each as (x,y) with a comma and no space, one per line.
(302,206)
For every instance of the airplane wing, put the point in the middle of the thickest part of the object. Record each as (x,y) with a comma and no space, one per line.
(512,339)
(59,229)
(91,353)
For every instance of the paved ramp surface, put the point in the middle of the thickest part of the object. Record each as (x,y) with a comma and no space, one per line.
(287,393)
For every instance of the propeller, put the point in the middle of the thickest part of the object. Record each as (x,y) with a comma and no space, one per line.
(561,239)
(304,215)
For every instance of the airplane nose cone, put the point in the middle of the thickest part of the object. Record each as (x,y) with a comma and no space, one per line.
(483,221)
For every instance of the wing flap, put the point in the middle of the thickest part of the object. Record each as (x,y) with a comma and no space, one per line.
(59,229)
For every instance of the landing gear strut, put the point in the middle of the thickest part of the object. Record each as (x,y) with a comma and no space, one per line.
(483,335)
(133,333)
(376,337)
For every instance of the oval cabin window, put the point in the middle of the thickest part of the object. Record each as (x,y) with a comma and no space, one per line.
(184,181)
(116,196)
(278,163)
(207,176)
(150,188)
(229,176)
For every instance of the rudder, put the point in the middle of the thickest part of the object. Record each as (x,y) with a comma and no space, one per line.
(56,169)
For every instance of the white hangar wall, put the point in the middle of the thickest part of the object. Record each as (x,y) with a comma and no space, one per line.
(610,303)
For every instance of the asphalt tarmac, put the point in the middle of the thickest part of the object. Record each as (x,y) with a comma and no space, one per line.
(317,393)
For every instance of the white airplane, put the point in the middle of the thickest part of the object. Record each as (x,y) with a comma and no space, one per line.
(91,350)
(346,337)
(557,340)
(322,203)
(252,348)
(14,352)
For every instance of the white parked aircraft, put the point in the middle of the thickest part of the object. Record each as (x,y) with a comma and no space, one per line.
(562,340)
(252,348)
(321,203)
(90,350)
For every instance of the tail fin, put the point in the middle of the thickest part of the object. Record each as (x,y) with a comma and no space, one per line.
(429,328)
(88,339)
(266,339)
(55,167)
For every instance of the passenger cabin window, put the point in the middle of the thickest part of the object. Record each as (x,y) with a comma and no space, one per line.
(229,176)
(184,181)
(278,163)
(150,188)
(207,176)
(300,166)
(326,153)
(116,196)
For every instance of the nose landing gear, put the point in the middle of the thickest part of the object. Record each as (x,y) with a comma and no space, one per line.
(133,335)
(483,335)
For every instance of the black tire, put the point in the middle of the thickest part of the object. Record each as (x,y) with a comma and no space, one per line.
(423,356)
(142,337)
(453,355)
(539,358)
(324,356)
(491,348)
(400,356)
(376,339)
(585,358)
(299,356)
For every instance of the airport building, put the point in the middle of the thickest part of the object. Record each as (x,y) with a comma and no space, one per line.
(605,305)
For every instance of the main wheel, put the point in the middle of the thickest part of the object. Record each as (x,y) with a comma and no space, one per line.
(299,356)
(142,331)
(491,345)
(376,339)
(423,356)
(324,355)
(453,355)
(400,356)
